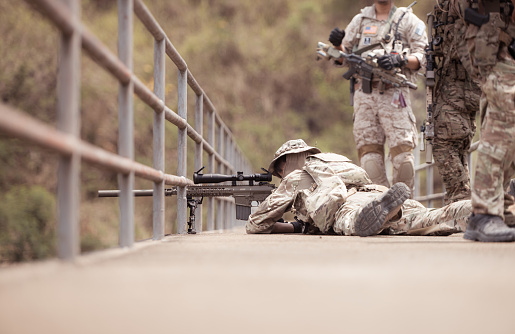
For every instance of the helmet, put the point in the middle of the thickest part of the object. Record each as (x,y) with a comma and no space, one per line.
(290,147)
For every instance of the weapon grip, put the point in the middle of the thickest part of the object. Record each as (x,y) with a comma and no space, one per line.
(347,75)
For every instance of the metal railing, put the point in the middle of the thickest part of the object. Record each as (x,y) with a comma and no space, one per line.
(427,171)
(226,157)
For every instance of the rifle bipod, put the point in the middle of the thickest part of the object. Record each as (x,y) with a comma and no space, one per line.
(192,204)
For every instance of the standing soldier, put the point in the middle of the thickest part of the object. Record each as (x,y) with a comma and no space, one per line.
(456,102)
(487,50)
(398,37)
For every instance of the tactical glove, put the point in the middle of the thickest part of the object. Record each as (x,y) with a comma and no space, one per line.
(336,36)
(391,60)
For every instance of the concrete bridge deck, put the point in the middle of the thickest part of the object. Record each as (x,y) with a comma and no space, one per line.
(238,283)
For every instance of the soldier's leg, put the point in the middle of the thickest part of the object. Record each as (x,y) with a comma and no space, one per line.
(399,125)
(372,161)
(366,212)
(451,162)
(418,220)
(496,154)
(454,122)
(369,137)
(403,166)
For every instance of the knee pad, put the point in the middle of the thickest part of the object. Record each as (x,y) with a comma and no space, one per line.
(406,172)
(373,164)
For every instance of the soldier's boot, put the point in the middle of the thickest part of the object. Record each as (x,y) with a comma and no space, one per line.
(488,228)
(375,214)
(509,217)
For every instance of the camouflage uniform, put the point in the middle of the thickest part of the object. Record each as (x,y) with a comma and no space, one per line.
(329,192)
(386,117)
(456,103)
(484,52)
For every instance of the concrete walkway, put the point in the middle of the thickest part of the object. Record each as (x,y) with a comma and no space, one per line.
(238,283)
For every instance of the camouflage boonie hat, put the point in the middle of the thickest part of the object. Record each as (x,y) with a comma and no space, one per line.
(290,147)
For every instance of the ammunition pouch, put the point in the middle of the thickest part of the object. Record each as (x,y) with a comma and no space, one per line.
(370,148)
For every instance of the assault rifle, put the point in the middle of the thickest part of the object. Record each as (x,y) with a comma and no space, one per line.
(427,127)
(366,68)
(244,195)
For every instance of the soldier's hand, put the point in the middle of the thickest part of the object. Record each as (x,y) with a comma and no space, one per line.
(390,61)
(336,36)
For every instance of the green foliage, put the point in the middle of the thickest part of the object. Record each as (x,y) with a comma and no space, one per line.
(255,60)
(27,224)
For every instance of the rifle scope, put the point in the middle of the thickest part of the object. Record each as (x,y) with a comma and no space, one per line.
(218,178)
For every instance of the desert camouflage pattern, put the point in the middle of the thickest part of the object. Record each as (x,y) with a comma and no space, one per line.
(413,219)
(280,201)
(331,200)
(333,175)
(316,196)
(377,121)
(411,28)
(456,103)
(380,118)
(496,151)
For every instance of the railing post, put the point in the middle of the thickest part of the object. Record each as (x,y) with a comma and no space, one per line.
(211,168)
(221,204)
(68,120)
(430,184)
(417,172)
(158,208)
(199,150)
(126,123)
(182,142)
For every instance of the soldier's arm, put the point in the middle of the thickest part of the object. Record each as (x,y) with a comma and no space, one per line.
(264,220)
(417,41)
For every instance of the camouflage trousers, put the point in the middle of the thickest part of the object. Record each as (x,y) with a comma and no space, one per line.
(457,102)
(378,119)
(415,219)
(496,151)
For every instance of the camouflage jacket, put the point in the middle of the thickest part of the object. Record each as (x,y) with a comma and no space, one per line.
(365,30)
(314,193)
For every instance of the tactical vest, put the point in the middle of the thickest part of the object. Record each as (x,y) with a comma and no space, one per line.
(333,175)
(376,34)
(487,26)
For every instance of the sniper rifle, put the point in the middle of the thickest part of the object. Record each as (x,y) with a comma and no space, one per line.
(244,195)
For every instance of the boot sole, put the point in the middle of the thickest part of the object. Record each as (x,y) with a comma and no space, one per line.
(376,213)
(478,236)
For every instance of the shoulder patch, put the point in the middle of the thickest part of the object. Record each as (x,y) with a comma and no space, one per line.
(420,28)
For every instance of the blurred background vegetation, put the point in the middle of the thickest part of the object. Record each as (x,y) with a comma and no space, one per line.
(254,59)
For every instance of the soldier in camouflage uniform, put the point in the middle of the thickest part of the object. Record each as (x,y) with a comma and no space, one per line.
(456,104)
(334,196)
(398,37)
(487,51)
